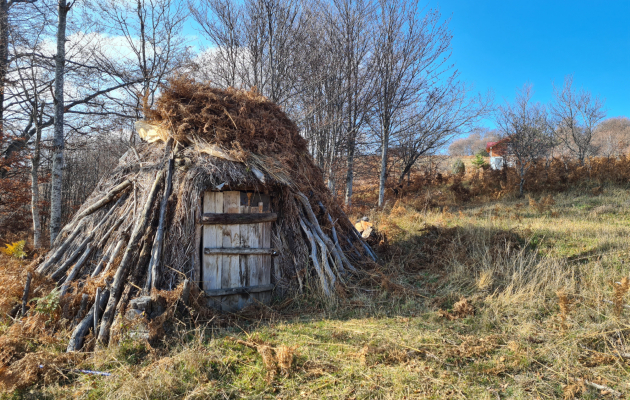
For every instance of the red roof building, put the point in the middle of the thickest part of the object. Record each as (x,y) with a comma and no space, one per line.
(497,149)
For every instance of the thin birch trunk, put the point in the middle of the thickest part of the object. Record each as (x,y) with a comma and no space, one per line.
(4,54)
(37,227)
(383,176)
(350,170)
(58,139)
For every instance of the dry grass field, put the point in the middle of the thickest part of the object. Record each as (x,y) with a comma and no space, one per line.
(494,299)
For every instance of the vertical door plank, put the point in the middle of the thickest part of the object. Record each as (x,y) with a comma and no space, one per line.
(211,274)
(230,274)
(244,262)
(211,238)
(253,263)
(218,232)
(264,277)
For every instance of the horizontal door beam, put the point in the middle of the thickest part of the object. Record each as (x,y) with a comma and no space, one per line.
(237,219)
(239,250)
(239,290)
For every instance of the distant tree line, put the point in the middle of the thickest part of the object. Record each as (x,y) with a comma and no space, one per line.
(572,125)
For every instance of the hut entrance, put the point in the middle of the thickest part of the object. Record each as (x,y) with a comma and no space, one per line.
(236,245)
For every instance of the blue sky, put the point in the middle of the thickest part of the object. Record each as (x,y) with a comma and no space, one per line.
(502,45)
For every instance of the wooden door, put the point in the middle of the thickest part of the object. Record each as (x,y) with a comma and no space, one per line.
(237,251)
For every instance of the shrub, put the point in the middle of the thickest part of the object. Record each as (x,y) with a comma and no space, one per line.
(479,161)
(458,167)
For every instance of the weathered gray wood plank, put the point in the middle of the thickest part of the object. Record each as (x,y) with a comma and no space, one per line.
(236,218)
(265,261)
(240,250)
(211,263)
(239,290)
(230,274)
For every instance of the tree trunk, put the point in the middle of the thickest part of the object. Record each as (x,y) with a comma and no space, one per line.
(383,177)
(4,55)
(405,171)
(27,288)
(350,171)
(520,187)
(37,228)
(58,139)
(331,174)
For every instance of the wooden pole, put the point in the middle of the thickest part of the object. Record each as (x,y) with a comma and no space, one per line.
(82,328)
(75,270)
(104,200)
(27,287)
(62,269)
(156,251)
(122,272)
(61,250)
(318,268)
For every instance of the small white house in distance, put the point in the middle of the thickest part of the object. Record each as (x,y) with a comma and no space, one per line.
(496,163)
(497,152)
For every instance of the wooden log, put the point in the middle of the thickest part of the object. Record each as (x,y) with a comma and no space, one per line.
(104,200)
(342,254)
(156,251)
(320,273)
(366,247)
(59,272)
(60,250)
(237,219)
(78,334)
(75,270)
(324,254)
(121,242)
(239,251)
(123,268)
(344,259)
(62,269)
(317,232)
(79,315)
(27,287)
(354,249)
(97,312)
(104,260)
(114,227)
(143,259)
(239,290)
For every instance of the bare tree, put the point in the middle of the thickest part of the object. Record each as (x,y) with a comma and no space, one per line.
(63,9)
(351,24)
(256,44)
(5,28)
(526,127)
(410,55)
(445,112)
(612,137)
(33,84)
(576,115)
(221,22)
(153,45)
